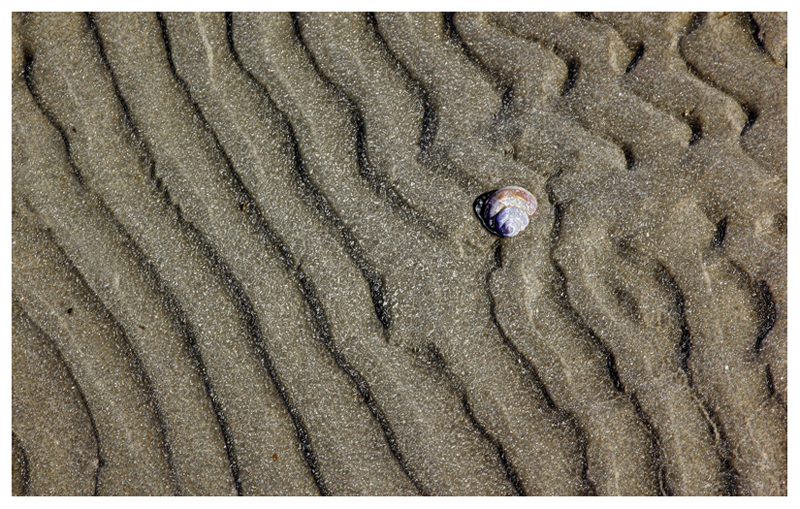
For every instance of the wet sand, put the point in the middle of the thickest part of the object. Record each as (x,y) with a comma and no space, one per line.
(246,261)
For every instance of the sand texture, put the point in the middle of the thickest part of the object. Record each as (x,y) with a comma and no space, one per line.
(246,258)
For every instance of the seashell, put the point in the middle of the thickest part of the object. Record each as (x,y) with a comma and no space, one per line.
(505,212)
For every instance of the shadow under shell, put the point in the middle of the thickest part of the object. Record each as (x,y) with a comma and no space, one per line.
(477,207)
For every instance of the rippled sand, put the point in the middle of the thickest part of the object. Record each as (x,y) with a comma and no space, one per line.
(246,259)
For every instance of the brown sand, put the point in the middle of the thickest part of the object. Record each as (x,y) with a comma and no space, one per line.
(246,259)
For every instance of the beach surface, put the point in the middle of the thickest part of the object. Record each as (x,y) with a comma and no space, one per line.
(247,259)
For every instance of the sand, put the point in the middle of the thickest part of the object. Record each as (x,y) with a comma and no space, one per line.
(246,260)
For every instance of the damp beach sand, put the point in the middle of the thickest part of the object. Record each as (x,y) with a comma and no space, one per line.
(246,258)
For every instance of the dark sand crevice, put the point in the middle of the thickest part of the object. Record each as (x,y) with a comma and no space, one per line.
(573,67)
(19,312)
(376,282)
(430,117)
(697,128)
(124,105)
(563,293)
(656,450)
(765,306)
(436,359)
(323,331)
(719,235)
(152,275)
(20,476)
(430,124)
(538,385)
(640,49)
(684,347)
(451,30)
(730,483)
(251,320)
(770,382)
(45,250)
(251,209)
(727,472)
(772,32)
(378,181)
(301,433)
(752,113)
(31,87)
(758,37)
(762,303)
(316,314)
